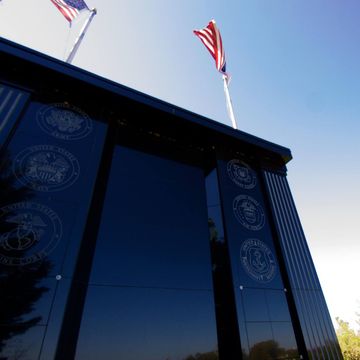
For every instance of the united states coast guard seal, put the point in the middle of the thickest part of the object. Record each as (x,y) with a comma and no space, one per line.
(32,231)
(46,168)
(64,121)
(248,212)
(258,260)
(241,174)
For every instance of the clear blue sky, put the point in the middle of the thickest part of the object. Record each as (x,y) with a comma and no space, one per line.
(295,81)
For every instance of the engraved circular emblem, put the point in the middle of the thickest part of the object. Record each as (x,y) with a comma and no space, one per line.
(32,231)
(64,121)
(241,174)
(258,260)
(248,212)
(46,168)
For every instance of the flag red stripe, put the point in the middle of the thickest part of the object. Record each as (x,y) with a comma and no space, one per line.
(69,12)
(211,38)
(208,44)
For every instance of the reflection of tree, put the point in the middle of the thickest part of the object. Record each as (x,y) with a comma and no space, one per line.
(270,350)
(226,317)
(19,285)
(212,355)
(9,193)
(19,294)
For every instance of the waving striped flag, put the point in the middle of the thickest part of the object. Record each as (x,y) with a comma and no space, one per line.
(211,38)
(70,8)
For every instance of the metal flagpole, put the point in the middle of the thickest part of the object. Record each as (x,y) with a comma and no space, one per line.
(81,36)
(228,103)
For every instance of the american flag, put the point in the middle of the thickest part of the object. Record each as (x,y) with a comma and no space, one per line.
(211,38)
(70,8)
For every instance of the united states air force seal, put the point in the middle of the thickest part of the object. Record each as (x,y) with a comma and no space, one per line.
(30,232)
(248,212)
(46,168)
(64,121)
(241,174)
(258,260)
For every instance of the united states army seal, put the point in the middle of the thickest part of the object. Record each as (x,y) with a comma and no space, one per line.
(241,174)
(46,168)
(248,212)
(64,121)
(31,232)
(258,260)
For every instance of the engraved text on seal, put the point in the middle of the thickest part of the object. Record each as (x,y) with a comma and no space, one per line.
(258,260)
(46,168)
(248,212)
(31,232)
(64,121)
(241,174)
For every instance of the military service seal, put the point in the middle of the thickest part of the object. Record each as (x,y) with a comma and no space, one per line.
(46,168)
(64,121)
(241,174)
(248,212)
(258,260)
(32,231)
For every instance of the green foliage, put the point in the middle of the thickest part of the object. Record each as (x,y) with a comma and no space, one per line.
(349,340)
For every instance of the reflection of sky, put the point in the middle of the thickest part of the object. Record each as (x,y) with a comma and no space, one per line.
(258,332)
(153,235)
(9,113)
(212,190)
(280,332)
(284,334)
(154,225)
(213,204)
(146,324)
(267,315)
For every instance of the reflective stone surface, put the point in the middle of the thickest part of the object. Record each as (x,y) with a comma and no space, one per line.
(147,324)
(266,330)
(150,292)
(45,190)
(154,225)
(133,229)
(21,342)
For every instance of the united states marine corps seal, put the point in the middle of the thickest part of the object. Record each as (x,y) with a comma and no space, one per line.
(64,121)
(46,168)
(31,232)
(258,260)
(241,174)
(248,212)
